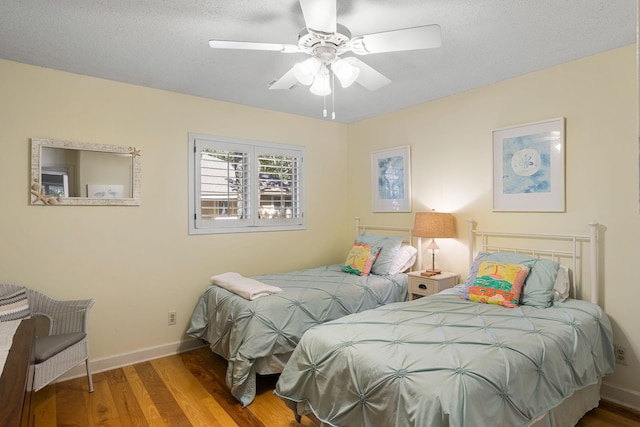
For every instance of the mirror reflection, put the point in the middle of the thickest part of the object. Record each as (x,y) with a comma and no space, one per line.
(74,173)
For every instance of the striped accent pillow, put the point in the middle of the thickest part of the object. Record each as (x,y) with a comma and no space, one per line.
(14,306)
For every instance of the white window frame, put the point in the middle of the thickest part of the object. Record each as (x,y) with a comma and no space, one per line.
(197,225)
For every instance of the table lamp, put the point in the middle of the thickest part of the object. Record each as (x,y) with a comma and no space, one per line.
(433,225)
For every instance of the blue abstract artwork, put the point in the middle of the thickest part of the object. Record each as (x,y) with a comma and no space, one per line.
(526,163)
(391,178)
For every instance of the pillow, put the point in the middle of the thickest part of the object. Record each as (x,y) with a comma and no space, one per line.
(404,259)
(508,257)
(361,259)
(562,285)
(389,247)
(14,306)
(498,283)
(538,287)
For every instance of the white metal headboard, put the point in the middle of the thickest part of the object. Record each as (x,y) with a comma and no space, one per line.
(405,232)
(574,252)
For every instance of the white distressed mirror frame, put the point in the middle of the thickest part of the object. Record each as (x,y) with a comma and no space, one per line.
(37,196)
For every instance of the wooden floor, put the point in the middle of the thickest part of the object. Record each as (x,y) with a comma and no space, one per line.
(182,390)
(189,390)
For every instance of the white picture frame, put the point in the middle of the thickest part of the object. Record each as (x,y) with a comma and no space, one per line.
(391,180)
(529,167)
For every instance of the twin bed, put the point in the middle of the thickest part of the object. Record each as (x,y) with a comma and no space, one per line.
(258,336)
(445,360)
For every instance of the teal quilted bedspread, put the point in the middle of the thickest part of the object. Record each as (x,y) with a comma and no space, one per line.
(445,361)
(242,331)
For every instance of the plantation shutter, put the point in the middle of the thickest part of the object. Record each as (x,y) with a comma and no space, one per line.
(239,186)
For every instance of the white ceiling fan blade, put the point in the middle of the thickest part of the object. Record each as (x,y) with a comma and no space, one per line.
(287,81)
(319,15)
(425,37)
(225,44)
(368,77)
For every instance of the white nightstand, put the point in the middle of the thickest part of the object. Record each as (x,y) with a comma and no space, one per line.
(421,286)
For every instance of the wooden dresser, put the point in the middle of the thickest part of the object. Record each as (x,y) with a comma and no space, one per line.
(17,378)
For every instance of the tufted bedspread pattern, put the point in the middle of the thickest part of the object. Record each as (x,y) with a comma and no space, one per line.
(242,331)
(445,361)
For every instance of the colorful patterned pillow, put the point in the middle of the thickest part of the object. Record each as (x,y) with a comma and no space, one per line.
(498,283)
(14,306)
(361,258)
(389,246)
(539,285)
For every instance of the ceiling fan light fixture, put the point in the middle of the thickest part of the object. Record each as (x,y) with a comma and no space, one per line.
(306,70)
(321,85)
(345,72)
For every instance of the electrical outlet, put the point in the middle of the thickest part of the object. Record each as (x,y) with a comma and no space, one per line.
(171,318)
(621,354)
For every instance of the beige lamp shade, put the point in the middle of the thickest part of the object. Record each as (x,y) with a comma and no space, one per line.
(433,224)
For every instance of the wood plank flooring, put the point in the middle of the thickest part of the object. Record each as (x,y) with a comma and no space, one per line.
(610,415)
(182,390)
(189,390)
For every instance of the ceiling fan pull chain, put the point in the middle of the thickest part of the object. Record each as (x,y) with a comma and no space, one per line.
(324,101)
(333,95)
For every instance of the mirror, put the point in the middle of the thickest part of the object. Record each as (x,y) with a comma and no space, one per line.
(77,173)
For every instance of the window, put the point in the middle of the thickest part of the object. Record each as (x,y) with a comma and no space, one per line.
(241,186)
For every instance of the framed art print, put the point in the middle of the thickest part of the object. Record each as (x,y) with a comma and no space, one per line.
(391,180)
(528,167)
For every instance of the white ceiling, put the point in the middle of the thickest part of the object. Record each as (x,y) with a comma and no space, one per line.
(164,45)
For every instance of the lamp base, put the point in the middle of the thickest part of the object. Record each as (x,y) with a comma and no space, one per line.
(429,273)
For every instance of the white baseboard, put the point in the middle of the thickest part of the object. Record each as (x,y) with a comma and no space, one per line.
(125,359)
(621,396)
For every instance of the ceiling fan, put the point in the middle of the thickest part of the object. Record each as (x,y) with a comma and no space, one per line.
(326,41)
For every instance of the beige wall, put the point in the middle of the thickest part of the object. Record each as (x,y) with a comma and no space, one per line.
(139,262)
(450,141)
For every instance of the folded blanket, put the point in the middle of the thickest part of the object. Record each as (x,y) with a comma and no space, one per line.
(244,286)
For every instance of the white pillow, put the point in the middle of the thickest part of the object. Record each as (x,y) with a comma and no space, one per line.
(562,285)
(404,259)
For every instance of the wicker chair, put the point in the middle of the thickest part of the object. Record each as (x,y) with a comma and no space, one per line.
(66,344)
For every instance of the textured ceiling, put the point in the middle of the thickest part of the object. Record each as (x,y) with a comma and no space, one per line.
(164,45)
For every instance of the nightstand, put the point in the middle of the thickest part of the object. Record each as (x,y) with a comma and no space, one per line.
(421,286)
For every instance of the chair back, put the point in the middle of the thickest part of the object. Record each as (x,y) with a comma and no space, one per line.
(8,289)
